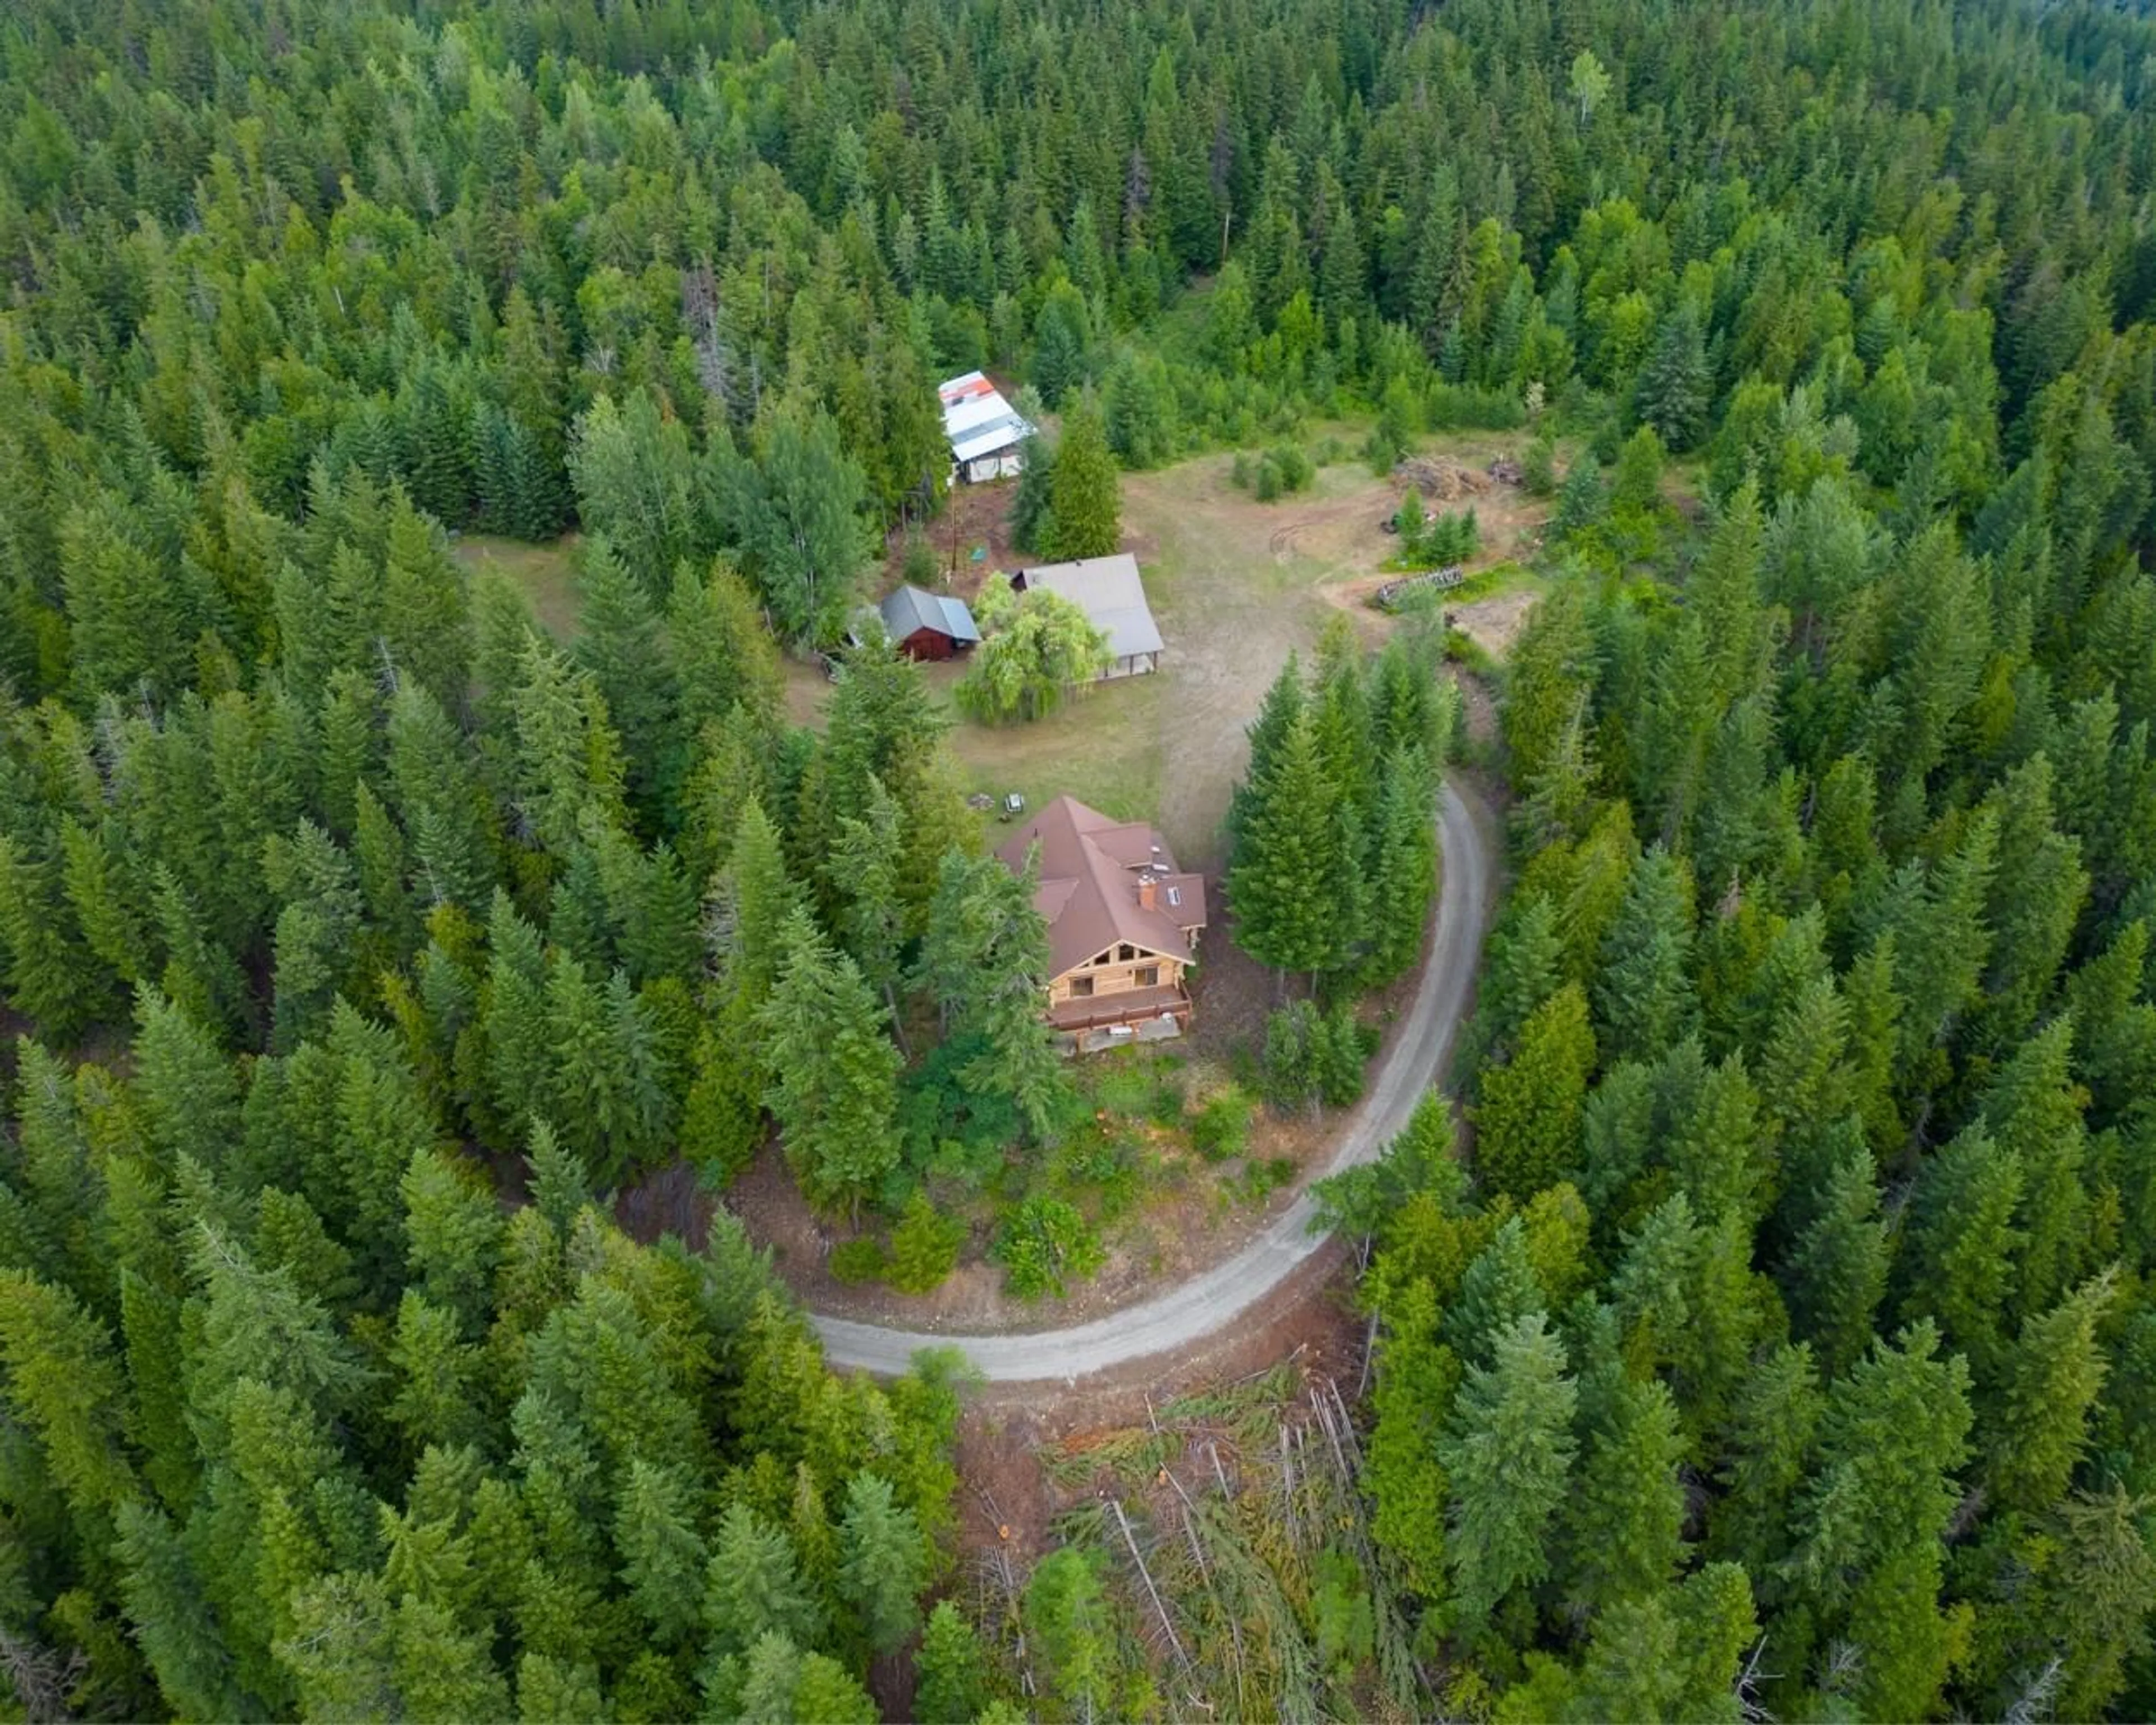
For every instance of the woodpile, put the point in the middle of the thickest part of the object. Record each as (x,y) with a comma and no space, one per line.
(1392,593)
(1507,472)
(1441,480)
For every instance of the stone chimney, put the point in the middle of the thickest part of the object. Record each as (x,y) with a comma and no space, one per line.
(1148,889)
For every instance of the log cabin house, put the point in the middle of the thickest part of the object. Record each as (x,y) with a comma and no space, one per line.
(1123,923)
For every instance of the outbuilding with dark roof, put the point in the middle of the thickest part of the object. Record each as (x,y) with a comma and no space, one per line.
(927,625)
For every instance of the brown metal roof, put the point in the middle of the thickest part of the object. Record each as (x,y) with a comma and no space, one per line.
(1090,870)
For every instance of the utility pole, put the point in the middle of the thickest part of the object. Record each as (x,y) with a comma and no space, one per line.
(951,504)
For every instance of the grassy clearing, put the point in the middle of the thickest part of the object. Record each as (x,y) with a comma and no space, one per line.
(1103,748)
(546,574)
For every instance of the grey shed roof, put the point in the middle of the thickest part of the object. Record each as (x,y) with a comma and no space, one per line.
(1110,592)
(909,610)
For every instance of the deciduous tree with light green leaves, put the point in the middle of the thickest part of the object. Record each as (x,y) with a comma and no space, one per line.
(1527,1123)
(1039,647)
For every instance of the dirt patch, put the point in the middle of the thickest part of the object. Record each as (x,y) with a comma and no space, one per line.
(668,1200)
(971,537)
(804,691)
(1231,994)
(1478,709)
(1236,586)
(1494,623)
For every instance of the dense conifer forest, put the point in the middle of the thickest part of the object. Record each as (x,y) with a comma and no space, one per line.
(1776,1339)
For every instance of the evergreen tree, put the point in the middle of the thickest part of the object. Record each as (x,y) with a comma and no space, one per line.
(753,1586)
(185,1087)
(1520,971)
(1769,1452)
(1403,865)
(882,1562)
(1837,1273)
(2052,1378)
(66,1384)
(50,974)
(1138,405)
(832,1072)
(1674,392)
(1509,1452)
(950,1684)
(1527,1124)
(1292,879)
(1065,1614)
(1956,1261)
(636,482)
(1085,512)
(1624,1519)
(1582,502)
(984,961)
(1062,334)
(620,643)
(560,1187)
(1643,997)
(453,1226)
(863,870)
(1283,705)
(795,513)
(1032,515)
(1894,1431)
(1498,1289)
(662,1557)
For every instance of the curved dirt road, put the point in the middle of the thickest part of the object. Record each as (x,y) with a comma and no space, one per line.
(1194,1309)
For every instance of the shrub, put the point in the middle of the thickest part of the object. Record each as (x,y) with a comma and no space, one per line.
(919,565)
(1169,1104)
(1044,1242)
(1279,471)
(855,1261)
(1445,540)
(924,1246)
(1223,1126)
(1286,1062)
(1454,406)
(1313,1058)
(1124,1084)
(1261,1180)
(1538,467)
(1293,467)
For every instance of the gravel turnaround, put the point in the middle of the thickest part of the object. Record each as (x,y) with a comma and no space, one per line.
(1191,1310)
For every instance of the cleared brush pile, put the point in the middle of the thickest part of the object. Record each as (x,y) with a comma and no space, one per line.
(1220,1558)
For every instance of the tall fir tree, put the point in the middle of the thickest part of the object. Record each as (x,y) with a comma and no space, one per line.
(1085,507)
(832,1070)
